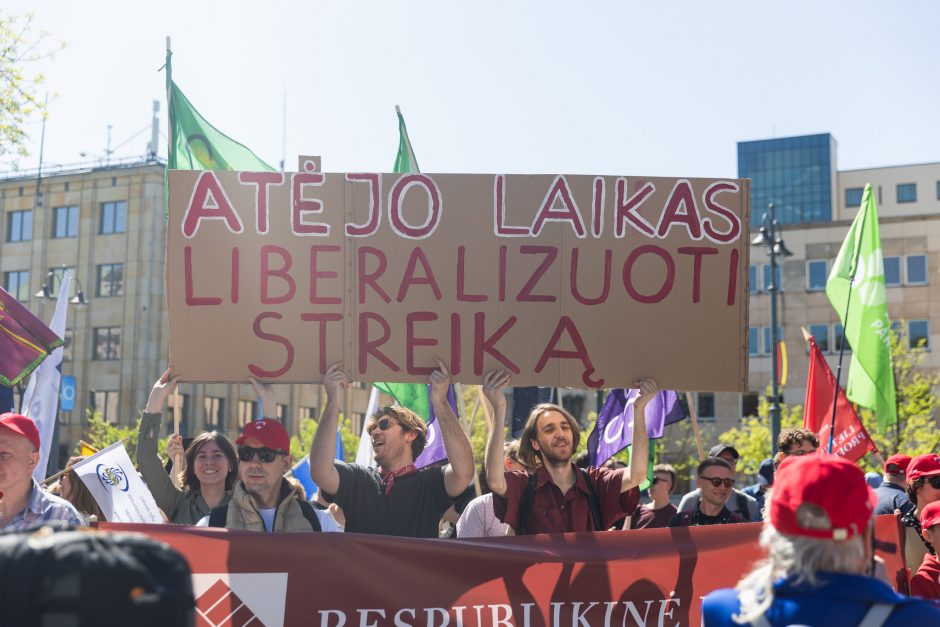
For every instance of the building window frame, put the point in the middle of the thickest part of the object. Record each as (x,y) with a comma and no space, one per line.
(812,286)
(114,287)
(891,260)
(65,222)
(16,283)
(925,325)
(821,333)
(851,193)
(107,402)
(906,193)
(112,217)
(907,270)
(106,344)
(19,226)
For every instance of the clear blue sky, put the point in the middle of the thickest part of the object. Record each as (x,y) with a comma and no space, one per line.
(605,87)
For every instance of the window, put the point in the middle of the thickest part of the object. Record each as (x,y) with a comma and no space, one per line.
(247,411)
(821,333)
(110,281)
(57,275)
(113,217)
(705,404)
(16,282)
(753,341)
(907,192)
(19,226)
(938,190)
(817,271)
(892,271)
(918,334)
(766,274)
(107,343)
(752,285)
(104,402)
(916,269)
(749,404)
(768,342)
(837,339)
(215,412)
(282,413)
(853,196)
(67,346)
(65,222)
(307,413)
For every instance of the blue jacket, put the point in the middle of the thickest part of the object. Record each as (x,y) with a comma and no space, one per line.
(841,600)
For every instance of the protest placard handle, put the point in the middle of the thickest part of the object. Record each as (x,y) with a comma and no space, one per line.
(693,415)
(178,458)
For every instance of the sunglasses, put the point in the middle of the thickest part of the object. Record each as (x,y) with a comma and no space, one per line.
(266,455)
(717,481)
(383,424)
(934,481)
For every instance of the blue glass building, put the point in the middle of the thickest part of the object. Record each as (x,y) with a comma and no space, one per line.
(797,174)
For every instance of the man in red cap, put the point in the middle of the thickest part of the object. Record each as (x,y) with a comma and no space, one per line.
(263,500)
(926,581)
(818,535)
(891,495)
(23,503)
(923,488)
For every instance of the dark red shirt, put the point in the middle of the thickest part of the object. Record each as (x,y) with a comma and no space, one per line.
(645,517)
(554,512)
(926,581)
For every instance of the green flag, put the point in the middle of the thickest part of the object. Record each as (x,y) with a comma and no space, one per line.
(405,160)
(856,289)
(197,145)
(414,396)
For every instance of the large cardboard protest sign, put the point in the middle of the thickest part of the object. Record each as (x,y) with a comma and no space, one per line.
(577,281)
(643,577)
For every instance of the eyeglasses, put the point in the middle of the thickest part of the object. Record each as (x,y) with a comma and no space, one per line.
(266,455)
(383,424)
(717,481)
(656,480)
(934,481)
(800,453)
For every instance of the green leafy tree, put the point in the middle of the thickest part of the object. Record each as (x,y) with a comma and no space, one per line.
(752,436)
(917,431)
(20,49)
(300,444)
(101,434)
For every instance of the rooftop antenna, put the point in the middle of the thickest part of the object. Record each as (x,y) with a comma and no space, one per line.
(107,152)
(42,143)
(154,131)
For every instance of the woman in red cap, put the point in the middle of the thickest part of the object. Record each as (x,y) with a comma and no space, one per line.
(923,488)
(818,536)
(926,581)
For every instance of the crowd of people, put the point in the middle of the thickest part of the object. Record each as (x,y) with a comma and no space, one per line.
(817,510)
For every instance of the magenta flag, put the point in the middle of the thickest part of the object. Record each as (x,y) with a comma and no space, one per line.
(24,340)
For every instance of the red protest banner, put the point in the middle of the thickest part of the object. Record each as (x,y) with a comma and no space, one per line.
(640,577)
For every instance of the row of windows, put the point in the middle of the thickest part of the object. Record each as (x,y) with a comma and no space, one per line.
(904,193)
(109,281)
(829,337)
(112,218)
(899,270)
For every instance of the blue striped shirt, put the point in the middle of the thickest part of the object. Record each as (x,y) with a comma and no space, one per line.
(43,507)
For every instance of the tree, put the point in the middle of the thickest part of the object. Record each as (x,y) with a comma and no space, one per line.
(300,444)
(19,100)
(917,431)
(101,434)
(752,436)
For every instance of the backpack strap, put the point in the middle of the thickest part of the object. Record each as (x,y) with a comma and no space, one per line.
(593,502)
(525,508)
(743,508)
(218,516)
(877,615)
(310,514)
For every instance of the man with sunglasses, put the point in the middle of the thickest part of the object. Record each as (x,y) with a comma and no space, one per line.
(715,480)
(396,499)
(738,500)
(263,500)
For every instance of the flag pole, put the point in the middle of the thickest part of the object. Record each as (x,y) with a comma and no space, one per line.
(848,301)
(693,416)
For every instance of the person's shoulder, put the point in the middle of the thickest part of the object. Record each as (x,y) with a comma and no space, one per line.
(747,496)
(911,610)
(719,606)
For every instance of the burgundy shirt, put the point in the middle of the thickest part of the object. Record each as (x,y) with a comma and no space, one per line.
(926,581)
(645,517)
(554,512)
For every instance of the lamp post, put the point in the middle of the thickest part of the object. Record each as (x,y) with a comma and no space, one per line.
(771,238)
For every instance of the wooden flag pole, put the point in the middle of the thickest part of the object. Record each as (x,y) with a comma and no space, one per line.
(178,458)
(693,415)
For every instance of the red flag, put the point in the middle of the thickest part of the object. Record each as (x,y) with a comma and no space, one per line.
(851,440)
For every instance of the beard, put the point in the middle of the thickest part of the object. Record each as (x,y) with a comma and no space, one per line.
(550,457)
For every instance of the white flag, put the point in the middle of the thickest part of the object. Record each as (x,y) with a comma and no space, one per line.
(41,399)
(364,456)
(119,491)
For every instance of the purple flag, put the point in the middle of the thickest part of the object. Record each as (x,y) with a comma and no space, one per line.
(613,431)
(434,450)
(24,340)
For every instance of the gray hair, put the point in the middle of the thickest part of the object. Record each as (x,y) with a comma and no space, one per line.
(796,556)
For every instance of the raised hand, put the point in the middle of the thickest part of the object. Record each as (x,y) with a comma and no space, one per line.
(174,446)
(265,392)
(648,388)
(161,391)
(439,380)
(494,382)
(335,382)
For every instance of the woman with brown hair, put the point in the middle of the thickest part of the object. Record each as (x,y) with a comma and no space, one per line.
(75,492)
(210,468)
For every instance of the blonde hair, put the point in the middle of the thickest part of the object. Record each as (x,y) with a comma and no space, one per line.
(527,453)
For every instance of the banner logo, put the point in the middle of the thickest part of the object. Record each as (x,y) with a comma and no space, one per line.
(230,599)
(112,477)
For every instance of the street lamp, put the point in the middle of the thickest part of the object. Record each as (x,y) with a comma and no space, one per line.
(769,237)
(48,286)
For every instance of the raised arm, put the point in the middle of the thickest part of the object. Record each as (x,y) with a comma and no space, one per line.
(323,447)
(161,486)
(459,471)
(265,392)
(493,384)
(640,451)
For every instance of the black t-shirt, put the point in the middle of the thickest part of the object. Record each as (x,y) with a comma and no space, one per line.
(413,507)
(696,519)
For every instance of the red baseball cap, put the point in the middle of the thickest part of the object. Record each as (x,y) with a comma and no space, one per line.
(897,464)
(269,432)
(831,483)
(926,465)
(931,515)
(22,426)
